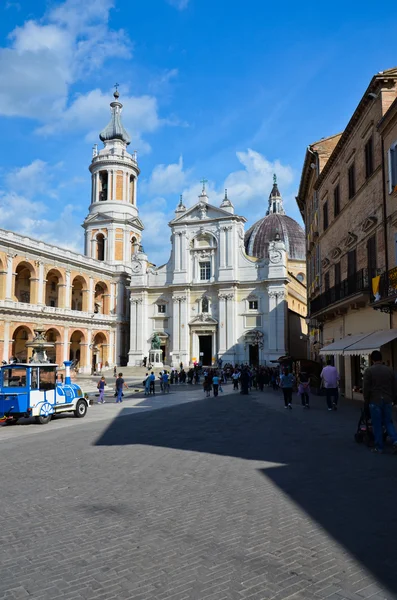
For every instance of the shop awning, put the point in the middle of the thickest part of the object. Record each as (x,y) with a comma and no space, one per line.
(372,342)
(339,347)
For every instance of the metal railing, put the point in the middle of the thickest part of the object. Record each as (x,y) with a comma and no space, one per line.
(388,284)
(359,282)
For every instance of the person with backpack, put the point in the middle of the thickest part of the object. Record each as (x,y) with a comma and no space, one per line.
(287,381)
(101,387)
(380,391)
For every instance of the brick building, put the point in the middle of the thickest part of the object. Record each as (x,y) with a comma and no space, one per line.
(347,208)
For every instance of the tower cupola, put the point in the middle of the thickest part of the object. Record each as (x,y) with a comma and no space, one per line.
(113,228)
(115,129)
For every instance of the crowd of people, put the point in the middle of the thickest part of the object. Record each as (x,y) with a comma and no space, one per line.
(379,387)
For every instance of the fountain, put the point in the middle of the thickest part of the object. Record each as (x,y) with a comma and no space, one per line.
(39,345)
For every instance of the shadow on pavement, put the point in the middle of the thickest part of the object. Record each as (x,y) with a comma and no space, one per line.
(350,492)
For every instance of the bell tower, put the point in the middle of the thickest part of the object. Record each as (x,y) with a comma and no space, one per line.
(113,228)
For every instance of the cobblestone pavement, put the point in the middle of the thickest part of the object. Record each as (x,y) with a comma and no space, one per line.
(228,498)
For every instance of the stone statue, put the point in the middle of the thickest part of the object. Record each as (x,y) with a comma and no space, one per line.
(156,342)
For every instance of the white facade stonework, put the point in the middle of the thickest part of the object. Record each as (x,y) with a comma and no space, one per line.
(210,300)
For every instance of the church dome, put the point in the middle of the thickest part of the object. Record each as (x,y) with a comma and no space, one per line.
(257,238)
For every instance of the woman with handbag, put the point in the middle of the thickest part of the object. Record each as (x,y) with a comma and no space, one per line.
(101,387)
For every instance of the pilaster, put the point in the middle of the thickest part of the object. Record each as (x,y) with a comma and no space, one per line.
(10,278)
(6,345)
(41,283)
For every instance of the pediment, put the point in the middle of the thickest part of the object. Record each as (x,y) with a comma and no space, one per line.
(350,239)
(368,223)
(203,319)
(201,211)
(137,222)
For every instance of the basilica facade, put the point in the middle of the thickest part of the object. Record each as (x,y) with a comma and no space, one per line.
(224,293)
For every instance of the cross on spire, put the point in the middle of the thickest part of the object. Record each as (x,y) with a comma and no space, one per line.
(203,181)
(275,178)
(116,85)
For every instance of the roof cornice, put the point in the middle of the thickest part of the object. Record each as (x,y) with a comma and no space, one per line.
(388,117)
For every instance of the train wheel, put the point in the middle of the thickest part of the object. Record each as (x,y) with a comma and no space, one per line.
(81,409)
(43,420)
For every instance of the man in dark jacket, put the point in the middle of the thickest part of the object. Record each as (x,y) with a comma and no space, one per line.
(379,387)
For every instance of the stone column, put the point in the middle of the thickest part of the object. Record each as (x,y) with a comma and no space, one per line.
(10,278)
(230,323)
(96,188)
(222,240)
(276,322)
(112,348)
(183,249)
(68,295)
(125,187)
(222,324)
(140,326)
(135,198)
(175,327)
(91,294)
(133,329)
(66,343)
(184,328)
(114,179)
(6,345)
(112,296)
(177,237)
(41,283)
(109,244)
(85,357)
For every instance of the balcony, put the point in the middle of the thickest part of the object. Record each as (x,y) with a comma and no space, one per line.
(342,293)
(385,298)
(54,311)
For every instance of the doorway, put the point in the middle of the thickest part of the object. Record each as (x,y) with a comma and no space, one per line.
(163,356)
(254,355)
(206,349)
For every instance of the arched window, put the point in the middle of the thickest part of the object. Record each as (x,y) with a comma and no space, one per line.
(100,248)
(103,186)
(204,305)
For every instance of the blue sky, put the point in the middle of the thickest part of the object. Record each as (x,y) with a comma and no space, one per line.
(228,90)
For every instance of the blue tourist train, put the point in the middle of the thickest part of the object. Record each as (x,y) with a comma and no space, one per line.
(32,390)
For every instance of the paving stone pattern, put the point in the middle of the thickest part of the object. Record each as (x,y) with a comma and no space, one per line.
(229,498)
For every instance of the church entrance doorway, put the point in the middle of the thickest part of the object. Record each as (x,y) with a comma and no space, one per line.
(254,355)
(206,349)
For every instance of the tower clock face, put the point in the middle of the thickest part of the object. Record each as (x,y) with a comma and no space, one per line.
(275,256)
(136,267)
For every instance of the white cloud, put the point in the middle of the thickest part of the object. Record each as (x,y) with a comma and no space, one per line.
(31,221)
(22,209)
(45,57)
(31,180)
(166,179)
(256,179)
(179,4)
